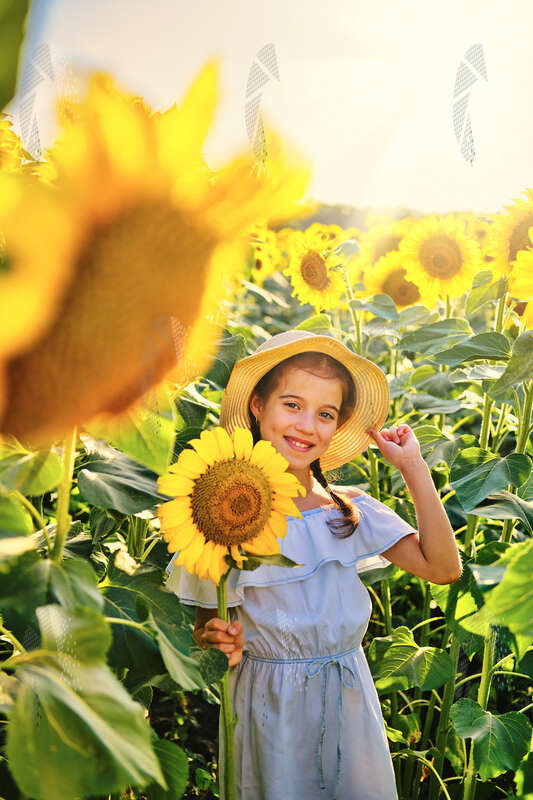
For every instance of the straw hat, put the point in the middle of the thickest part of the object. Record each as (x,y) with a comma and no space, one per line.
(371,401)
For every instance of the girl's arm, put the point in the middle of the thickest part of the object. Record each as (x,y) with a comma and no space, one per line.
(432,552)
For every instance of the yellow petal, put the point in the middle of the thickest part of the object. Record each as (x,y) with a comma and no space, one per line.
(218,565)
(191,461)
(192,553)
(243,441)
(174,512)
(181,538)
(202,565)
(174,485)
(224,442)
(206,448)
(285,505)
(263,452)
(262,545)
(278,523)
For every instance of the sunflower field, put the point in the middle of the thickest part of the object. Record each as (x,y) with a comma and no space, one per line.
(132,277)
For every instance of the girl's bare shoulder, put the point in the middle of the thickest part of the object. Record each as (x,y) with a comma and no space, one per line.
(351,491)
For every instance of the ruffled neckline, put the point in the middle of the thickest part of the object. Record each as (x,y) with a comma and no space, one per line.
(326,507)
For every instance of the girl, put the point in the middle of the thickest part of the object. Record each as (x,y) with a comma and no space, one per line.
(309,719)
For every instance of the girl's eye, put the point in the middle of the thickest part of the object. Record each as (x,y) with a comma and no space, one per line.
(292,403)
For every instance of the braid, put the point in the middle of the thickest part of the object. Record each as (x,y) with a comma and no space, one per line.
(345,527)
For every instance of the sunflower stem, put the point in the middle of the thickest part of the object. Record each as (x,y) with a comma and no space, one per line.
(355,317)
(63,518)
(228,720)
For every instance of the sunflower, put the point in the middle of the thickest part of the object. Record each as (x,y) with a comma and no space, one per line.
(387,276)
(521,276)
(313,272)
(158,238)
(265,255)
(440,258)
(231,497)
(380,239)
(509,234)
(12,153)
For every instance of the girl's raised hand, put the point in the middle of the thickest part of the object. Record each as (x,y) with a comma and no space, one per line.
(226,636)
(398,444)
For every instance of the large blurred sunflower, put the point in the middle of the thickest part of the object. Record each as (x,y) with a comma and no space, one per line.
(313,271)
(231,497)
(159,236)
(509,233)
(387,276)
(440,258)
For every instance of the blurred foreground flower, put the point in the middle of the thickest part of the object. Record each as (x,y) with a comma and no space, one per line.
(157,236)
(229,494)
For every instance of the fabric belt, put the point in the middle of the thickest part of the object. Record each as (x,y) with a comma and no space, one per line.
(315,666)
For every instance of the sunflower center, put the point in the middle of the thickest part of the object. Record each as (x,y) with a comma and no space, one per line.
(520,237)
(440,256)
(402,291)
(385,245)
(231,502)
(314,271)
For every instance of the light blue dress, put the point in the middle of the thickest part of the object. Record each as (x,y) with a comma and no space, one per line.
(309,719)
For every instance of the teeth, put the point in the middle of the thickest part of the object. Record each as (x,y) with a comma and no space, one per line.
(298,444)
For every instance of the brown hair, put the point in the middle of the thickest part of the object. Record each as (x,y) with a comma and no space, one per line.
(326,367)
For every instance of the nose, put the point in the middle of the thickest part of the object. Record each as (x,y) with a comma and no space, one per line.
(304,424)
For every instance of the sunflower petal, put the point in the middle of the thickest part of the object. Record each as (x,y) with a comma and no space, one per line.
(285,505)
(174,512)
(174,485)
(224,442)
(278,523)
(218,565)
(243,442)
(190,555)
(191,461)
(181,538)
(206,449)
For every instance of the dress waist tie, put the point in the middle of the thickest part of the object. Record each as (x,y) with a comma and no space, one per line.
(314,667)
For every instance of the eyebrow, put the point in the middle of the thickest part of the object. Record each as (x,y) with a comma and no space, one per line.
(301,398)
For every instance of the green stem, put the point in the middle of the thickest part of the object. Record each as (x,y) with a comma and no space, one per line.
(35,514)
(13,639)
(482,698)
(523,437)
(374,473)
(63,518)
(355,317)
(228,720)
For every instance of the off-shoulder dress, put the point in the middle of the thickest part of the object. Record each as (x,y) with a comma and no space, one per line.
(309,719)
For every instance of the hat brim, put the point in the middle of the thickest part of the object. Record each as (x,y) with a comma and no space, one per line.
(372,394)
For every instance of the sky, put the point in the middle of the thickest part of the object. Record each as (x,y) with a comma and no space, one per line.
(367,91)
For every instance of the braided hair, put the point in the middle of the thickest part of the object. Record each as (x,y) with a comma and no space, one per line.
(326,366)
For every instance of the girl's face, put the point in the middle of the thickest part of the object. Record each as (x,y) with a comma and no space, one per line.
(300,416)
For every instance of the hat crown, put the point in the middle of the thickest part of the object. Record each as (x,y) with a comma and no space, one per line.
(280,339)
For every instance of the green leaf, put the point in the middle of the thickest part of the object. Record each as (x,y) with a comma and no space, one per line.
(505,505)
(318,323)
(458,602)
(511,602)
(524,778)
(32,473)
(231,349)
(12,30)
(381,305)
(15,521)
(175,767)
(427,667)
(519,368)
(254,561)
(435,337)
(118,482)
(144,434)
(74,730)
(142,597)
(476,473)
(501,741)
(494,346)
(482,291)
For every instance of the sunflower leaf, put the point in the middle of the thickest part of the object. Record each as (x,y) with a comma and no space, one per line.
(276,559)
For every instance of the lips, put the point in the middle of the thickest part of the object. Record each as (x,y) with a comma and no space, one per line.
(295,444)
